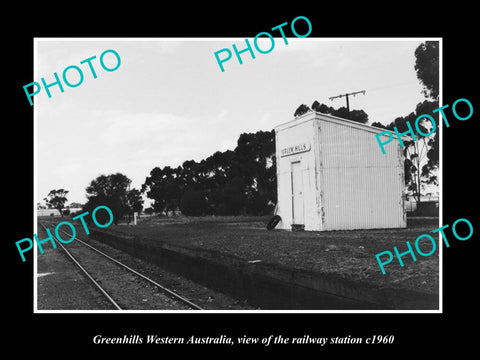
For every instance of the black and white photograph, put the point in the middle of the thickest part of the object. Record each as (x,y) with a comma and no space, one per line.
(273,184)
(238,191)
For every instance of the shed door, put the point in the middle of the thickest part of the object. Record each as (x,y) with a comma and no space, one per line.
(297,194)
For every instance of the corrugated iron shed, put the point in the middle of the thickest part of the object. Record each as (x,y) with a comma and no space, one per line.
(332,175)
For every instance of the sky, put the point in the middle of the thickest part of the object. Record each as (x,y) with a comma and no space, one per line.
(169,102)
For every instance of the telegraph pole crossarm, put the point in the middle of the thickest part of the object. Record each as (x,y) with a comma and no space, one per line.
(346,96)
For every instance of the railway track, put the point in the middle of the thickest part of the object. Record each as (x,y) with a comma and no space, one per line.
(123,287)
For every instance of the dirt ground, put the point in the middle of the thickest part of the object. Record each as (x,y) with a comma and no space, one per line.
(349,254)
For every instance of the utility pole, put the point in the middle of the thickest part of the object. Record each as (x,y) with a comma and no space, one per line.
(346,95)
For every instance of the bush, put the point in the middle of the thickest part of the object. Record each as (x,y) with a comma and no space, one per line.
(259,205)
(193,203)
(75,213)
(234,196)
(222,210)
(116,205)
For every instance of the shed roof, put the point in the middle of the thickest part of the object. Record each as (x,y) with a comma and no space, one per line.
(314,115)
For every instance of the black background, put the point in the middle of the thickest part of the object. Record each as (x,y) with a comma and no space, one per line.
(57,335)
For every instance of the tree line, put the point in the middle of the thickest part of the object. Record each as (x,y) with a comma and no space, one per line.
(242,181)
(422,156)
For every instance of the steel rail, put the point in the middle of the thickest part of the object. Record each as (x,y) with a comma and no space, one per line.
(104,292)
(161,287)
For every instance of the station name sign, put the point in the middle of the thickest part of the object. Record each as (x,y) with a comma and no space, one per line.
(295,149)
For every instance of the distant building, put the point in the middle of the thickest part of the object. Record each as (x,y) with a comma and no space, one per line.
(48,212)
(54,212)
(411,203)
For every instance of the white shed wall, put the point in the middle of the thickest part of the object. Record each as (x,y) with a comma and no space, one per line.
(301,133)
(347,182)
(361,187)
